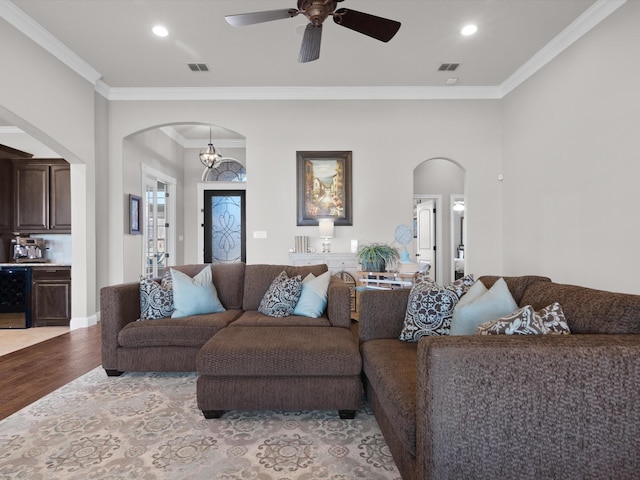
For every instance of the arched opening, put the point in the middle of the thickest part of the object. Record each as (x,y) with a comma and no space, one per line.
(439,203)
(168,154)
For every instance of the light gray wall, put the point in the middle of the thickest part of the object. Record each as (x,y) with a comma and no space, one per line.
(572,162)
(468,131)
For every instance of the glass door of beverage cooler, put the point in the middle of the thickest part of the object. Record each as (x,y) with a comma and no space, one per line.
(15,292)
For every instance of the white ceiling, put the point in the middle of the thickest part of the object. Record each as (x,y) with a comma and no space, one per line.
(110,43)
(114,37)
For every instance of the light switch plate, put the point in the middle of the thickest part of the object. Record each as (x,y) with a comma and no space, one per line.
(259,234)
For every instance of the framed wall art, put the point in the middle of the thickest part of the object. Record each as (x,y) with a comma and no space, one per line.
(135,215)
(324,187)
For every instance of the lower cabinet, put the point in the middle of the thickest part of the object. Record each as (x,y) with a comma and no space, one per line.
(50,296)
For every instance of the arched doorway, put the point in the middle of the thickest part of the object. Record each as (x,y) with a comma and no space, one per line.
(439,186)
(172,150)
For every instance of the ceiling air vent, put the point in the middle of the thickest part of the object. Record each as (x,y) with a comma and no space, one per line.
(198,67)
(448,67)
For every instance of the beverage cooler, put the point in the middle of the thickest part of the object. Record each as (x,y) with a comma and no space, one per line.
(15,293)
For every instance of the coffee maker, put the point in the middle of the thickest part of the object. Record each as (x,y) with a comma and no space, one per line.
(28,250)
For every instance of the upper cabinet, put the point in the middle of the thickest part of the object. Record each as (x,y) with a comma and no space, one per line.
(41,196)
(7,154)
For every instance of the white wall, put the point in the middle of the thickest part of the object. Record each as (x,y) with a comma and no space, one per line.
(388,140)
(572,162)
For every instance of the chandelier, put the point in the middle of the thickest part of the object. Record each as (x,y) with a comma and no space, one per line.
(210,157)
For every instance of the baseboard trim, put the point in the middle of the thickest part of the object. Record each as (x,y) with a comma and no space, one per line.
(83,322)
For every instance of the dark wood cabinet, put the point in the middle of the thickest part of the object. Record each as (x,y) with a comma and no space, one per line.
(50,296)
(41,196)
(60,198)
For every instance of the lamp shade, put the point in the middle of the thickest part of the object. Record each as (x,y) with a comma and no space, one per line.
(326,227)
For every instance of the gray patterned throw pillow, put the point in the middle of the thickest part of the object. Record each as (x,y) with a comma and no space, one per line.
(282,296)
(430,307)
(156,299)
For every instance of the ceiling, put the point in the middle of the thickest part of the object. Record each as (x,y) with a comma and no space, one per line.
(110,43)
(114,37)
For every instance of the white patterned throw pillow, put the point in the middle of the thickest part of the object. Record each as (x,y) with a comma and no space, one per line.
(282,296)
(156,299)
(430,307)
(526,321)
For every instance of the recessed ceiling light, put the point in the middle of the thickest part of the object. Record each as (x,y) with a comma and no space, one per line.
(160,31)
(469,30)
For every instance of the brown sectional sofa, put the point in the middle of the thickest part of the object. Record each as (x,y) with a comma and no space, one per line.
(526,407)
(227,365)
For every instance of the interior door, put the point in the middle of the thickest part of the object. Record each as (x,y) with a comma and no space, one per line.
(426,235)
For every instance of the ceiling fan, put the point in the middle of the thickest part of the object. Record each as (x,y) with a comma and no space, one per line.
(317,12)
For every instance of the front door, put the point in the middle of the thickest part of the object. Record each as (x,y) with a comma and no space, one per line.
(224,226)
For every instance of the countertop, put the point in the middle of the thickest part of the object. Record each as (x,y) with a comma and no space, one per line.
(35,264)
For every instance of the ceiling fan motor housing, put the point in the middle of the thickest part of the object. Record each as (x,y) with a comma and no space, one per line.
(317,10)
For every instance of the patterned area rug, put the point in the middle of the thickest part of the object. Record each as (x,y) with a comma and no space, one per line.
(148,426)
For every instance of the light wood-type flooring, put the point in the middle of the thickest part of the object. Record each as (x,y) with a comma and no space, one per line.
(35,371)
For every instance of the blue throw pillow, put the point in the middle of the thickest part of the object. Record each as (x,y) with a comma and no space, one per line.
(194,296)
(313,298)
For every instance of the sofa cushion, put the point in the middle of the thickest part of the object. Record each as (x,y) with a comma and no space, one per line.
(156,298)
(228,278)
(493,304)
(192,331)
(313,297)
(282,296)
(517,285)
(254,318)
(588,310)
(194,296)
(391,368)
(430,308)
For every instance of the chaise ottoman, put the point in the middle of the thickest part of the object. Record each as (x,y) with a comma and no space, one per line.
(280,368)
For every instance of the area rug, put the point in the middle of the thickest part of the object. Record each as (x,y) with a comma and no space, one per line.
(147,426)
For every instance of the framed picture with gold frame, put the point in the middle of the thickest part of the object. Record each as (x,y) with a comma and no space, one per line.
(324,187)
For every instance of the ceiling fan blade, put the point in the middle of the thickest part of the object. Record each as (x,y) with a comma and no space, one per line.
(243,19)
(379,28)
(310,49)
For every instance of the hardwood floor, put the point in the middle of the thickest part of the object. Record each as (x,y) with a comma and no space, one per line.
(33,372)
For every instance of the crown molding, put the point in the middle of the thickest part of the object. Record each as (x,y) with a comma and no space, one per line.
(7,130)
(580,26)
(303,93)
(33,30)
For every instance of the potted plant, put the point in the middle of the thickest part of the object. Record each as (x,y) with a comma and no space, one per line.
(374,257)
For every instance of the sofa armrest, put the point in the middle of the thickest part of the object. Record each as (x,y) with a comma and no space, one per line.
(548,406)
(119,305)
(381,313)
(339,303)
